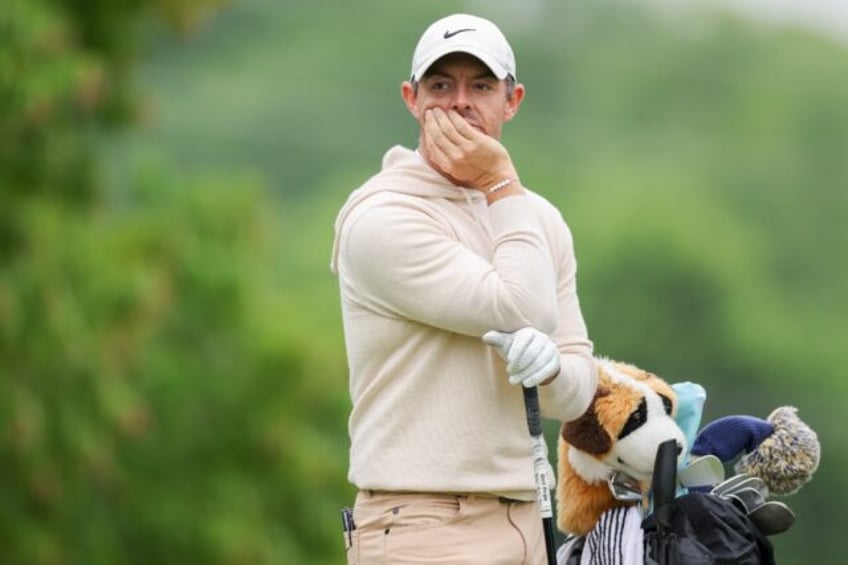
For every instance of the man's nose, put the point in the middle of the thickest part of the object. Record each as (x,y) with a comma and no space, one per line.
(461,101)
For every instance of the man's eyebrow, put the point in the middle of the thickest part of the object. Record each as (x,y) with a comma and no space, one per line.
(434,74)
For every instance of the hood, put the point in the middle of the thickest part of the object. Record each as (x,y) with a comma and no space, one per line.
(404,171)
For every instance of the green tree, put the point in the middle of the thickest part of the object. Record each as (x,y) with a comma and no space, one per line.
(153,408)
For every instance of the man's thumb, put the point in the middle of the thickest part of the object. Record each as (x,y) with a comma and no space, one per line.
(497,339)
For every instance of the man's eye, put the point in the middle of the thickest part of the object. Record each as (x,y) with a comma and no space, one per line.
(439,86)
(483,86)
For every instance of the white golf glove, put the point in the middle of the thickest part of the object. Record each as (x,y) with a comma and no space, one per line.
(531,356)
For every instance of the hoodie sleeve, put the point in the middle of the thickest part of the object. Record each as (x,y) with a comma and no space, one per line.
(570,394)
(399,259)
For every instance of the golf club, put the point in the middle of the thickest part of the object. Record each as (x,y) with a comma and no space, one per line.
(706,471)
(540,468)
(746,498)
(772,517)
(663,485)
(755,483)
(624,487)
(729,484)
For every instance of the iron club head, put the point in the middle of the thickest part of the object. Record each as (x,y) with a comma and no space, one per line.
(624,487)
(706,471)
(729,484)
(773,517)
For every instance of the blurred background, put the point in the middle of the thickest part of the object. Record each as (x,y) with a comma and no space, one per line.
(173,386)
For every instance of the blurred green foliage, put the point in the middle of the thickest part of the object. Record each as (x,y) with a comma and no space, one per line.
(147,409)
(172,375)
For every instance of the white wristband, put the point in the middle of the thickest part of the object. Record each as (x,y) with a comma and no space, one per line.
(501,185)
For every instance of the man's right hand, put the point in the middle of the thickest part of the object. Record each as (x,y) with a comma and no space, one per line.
(467,156)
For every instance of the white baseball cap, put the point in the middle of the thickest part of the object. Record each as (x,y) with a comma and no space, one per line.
(465,34)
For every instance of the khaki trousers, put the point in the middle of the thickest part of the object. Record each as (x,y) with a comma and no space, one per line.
(402,528)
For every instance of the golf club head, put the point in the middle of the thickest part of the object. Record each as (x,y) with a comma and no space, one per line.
(729,484)
(755,483)
(772,517)
(624,487)
(706,471)
(746,499)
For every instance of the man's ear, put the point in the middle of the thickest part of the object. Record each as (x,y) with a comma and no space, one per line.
(410,98)
(514,102)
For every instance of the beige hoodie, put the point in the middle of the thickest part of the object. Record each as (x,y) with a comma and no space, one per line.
(425,269)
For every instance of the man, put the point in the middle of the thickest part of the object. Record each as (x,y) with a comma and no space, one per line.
(442,246)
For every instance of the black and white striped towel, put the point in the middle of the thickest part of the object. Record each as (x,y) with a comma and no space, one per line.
(617,539)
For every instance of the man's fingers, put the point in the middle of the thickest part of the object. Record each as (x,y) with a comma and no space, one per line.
(470,157)
(442,144)
(462,127)
(525,349)
(532,358)
(537,373)
(453,134)
(548,370)
(438,146)
(452,125)
(439,127)
(528,369)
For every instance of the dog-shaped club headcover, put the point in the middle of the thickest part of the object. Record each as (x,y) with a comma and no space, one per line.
(631,414)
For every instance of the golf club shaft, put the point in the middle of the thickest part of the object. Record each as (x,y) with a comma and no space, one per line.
(540,468)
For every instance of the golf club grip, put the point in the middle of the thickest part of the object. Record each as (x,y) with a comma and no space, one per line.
(664,482)
(534,426)
(531,406)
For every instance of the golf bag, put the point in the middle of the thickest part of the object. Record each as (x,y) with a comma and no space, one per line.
(704,529)
(698,528)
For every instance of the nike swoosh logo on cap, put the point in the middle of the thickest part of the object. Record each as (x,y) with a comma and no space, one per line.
(449,34)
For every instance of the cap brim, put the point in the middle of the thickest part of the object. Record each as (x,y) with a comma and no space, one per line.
(497,69)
